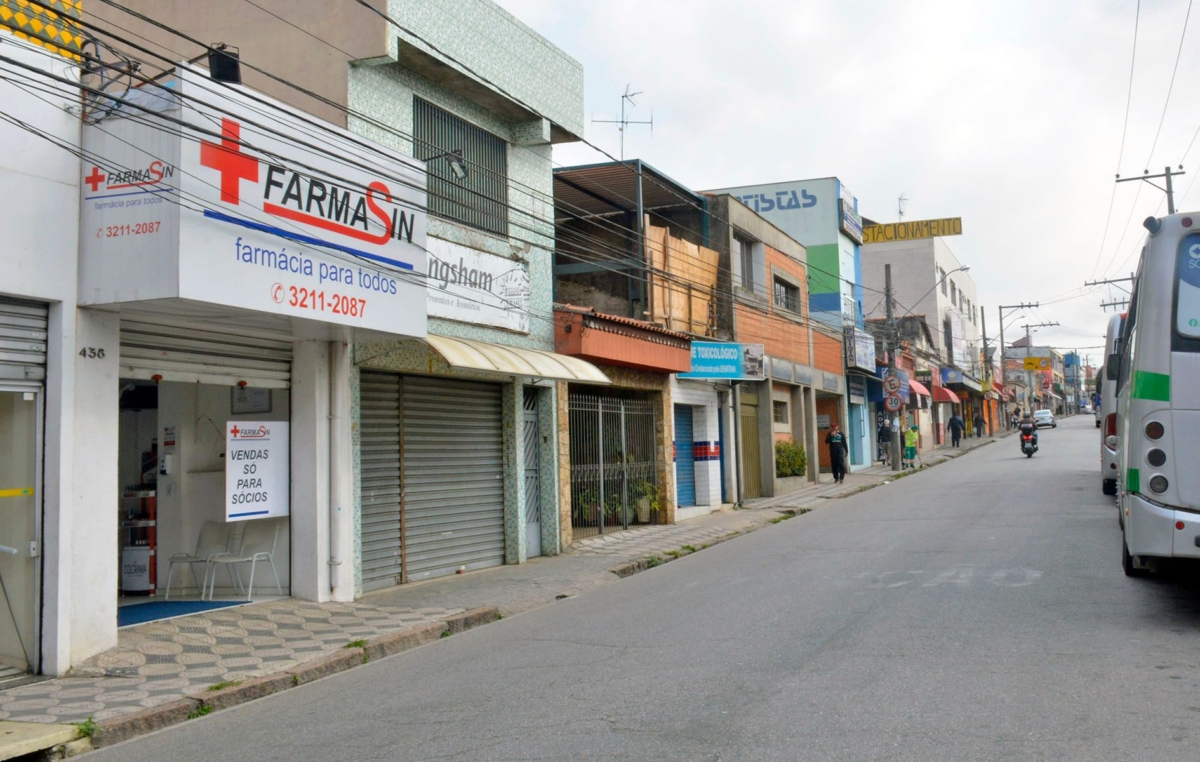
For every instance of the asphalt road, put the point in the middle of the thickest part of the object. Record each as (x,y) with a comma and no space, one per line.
(974,611)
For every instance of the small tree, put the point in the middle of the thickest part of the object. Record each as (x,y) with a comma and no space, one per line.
(790,459)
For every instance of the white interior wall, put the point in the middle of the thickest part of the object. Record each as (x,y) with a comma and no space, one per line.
(195,491)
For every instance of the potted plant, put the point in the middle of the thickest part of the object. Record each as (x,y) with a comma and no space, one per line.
(647,502)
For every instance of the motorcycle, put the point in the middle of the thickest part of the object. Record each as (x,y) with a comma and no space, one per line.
(1028,443)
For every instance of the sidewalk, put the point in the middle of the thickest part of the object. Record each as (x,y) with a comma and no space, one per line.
(168,671)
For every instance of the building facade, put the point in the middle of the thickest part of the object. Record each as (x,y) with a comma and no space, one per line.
(822,215)
(407,309)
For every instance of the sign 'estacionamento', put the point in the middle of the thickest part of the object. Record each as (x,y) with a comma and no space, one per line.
(255,206)
(909,231)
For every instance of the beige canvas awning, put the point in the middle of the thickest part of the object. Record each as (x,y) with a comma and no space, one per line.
(514,361)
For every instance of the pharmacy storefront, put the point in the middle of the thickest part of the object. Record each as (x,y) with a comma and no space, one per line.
(226,270)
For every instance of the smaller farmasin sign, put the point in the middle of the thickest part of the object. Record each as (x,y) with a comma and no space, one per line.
(908,231)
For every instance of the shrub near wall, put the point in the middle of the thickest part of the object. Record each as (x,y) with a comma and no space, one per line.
(790,459)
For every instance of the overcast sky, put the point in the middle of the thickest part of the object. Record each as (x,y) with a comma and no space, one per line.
(1008,115)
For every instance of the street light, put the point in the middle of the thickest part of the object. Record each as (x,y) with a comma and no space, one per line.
(454,159)
(963,269)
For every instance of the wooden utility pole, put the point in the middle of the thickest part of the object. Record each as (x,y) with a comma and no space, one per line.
(893,340)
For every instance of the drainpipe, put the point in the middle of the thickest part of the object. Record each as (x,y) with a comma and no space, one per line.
(340,462)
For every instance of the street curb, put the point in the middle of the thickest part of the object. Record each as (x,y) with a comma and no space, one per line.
(127,726)
(118,729)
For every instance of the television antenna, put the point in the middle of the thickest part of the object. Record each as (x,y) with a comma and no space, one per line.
(623,122)
(900,202)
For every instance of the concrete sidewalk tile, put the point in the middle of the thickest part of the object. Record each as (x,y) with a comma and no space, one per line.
(20,738)
(395,642)
(126,726)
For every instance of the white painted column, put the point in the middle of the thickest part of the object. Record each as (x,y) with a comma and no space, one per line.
(340,514)
(58,492)
(90,515)
(310,428)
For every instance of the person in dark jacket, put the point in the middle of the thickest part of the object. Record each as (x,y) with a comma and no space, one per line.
(838,450)
(956,427)
(980,425)
(885,441)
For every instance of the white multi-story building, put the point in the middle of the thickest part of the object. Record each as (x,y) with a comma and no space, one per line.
(929,280)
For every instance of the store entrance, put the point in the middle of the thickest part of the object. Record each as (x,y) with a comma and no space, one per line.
(179,544)
(20,489)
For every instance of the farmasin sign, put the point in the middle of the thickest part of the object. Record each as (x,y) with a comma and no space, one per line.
(909,231)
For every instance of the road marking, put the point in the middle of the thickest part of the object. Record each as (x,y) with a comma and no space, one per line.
(961,576)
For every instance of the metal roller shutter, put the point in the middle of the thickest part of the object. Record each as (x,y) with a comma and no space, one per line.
(685,458)
(453,476)
(379,432)
(202,355)
(23,332)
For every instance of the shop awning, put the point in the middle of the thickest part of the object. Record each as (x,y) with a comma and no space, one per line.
(942,394)
(514,361)
(918,387)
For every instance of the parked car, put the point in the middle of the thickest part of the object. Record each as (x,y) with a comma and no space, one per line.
(1044,418)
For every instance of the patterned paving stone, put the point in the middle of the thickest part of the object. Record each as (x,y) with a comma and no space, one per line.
(159,662)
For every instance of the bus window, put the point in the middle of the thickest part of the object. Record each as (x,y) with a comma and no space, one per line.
(1187,299)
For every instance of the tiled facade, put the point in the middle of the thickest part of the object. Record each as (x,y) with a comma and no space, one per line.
(516,70)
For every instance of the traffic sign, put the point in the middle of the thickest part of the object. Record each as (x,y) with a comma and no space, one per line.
(891,384)
(893,402)
(1037,363)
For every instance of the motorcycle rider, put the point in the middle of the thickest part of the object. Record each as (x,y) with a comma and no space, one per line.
(1028,426)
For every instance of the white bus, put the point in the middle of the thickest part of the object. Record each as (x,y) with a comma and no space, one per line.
(1106,413)
(1157,369)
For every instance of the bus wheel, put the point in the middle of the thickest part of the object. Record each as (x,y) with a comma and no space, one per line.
(1109,486)
(1127,562)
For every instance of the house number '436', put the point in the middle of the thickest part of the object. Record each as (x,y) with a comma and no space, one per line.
(92,353)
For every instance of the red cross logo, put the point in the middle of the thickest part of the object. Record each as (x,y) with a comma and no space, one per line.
(235,431)
(228,159)
(94,179)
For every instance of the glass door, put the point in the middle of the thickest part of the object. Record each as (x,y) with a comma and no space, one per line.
(20,488)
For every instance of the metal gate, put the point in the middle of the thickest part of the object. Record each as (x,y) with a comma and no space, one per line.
(453,476)
(23,334)
(614,469)
(533,481)
(379,431)
(751,459)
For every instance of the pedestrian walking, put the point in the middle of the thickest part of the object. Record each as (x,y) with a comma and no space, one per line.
(837,452)
(956,426)
(910,448)
(885,441)
(979,425)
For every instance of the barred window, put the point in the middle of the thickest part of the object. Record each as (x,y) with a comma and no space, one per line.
(787,296)
(480,199)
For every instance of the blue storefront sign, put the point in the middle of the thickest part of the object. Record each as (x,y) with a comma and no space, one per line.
(731,361)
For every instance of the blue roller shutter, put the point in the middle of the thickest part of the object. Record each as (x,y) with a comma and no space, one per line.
(685,459)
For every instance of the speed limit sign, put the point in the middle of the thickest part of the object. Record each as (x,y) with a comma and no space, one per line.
(891,384)
(893,403)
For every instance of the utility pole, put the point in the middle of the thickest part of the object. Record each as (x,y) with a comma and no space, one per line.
(1169,190)
(893,342)
(987,368)
(622,123)
(1001,309)
(1029,346)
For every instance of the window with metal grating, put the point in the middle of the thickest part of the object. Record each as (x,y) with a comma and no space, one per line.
(475,192)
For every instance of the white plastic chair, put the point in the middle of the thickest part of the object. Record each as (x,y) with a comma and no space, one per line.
(212,542)
(258,544)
